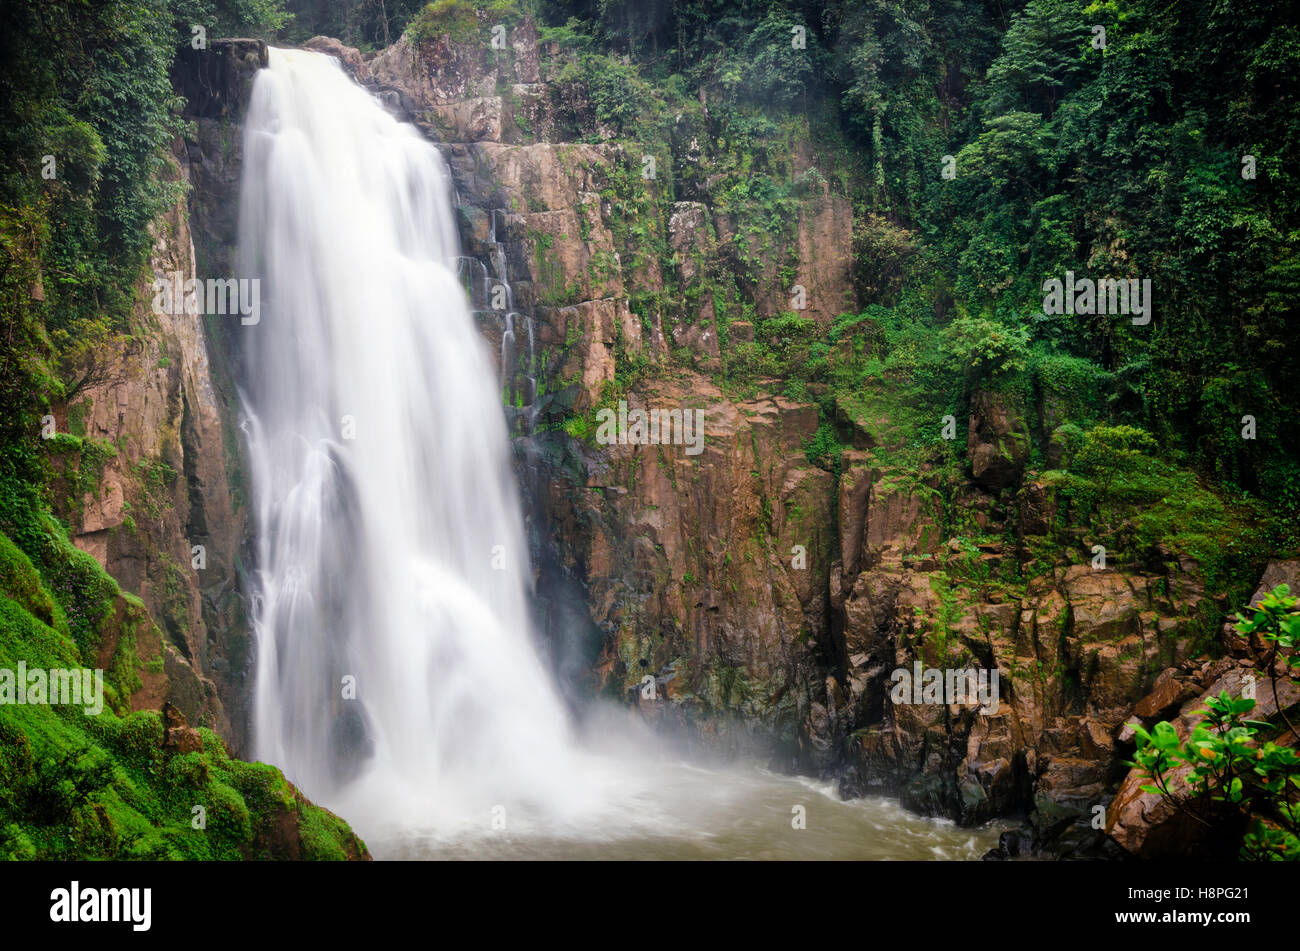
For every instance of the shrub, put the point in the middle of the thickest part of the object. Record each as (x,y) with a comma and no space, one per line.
(1227,773)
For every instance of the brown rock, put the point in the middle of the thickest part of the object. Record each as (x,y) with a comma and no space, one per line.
(178,737)
(1037,508)
(349,57)
(1167,691)
(997,442)
(1150,825)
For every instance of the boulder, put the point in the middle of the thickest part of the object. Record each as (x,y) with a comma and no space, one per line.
(178,736)
(348,57)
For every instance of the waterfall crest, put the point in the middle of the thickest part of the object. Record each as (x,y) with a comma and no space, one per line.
(396,677)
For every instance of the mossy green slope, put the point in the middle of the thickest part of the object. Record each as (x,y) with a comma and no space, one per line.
(73,785)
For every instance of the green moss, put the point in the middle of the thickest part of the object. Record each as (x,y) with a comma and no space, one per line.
(462,21)
(323,835)
(77,414)
(455,19)
(20,580)
(76,785)
(580,427)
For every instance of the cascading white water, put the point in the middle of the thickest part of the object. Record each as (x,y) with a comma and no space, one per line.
(391,556)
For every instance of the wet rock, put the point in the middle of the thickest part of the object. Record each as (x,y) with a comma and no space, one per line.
(1149,825)
(1167,692)
(165,488)
(1037,508)
(178,737)
(998,441)
(348,57)
(690,237)
(217,81)
(1285,571)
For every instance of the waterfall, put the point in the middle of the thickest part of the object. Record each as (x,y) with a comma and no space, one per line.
(397,679)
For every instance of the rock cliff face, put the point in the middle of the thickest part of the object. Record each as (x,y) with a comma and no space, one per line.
(160,506)
(744,595)
(160,512)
